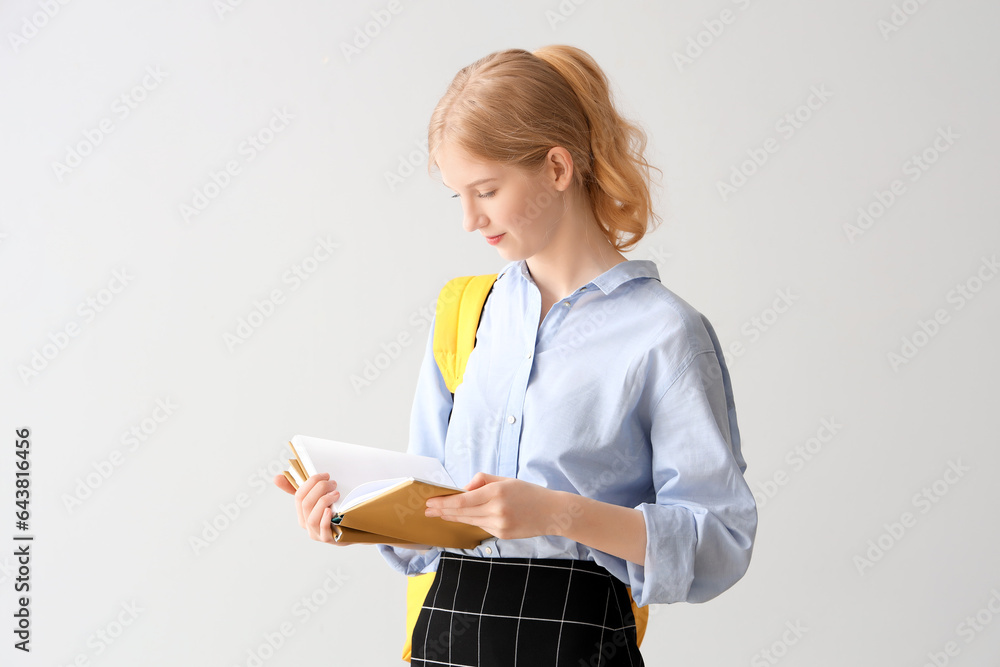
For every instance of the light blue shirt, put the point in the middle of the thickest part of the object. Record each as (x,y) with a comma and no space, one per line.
(621,395)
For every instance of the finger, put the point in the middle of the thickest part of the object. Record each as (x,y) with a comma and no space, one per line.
(463,513)
(313,488)
(479,511)
(315,518)
(326,528)
(315,497)
(282,483)
(476,482)
(306,486)
(455,500)
(438,503)
(481,479)
(304,489)
(475,519)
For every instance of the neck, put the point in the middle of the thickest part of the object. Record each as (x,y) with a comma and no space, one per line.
(577,253)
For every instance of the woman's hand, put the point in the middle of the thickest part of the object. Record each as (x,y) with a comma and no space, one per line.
(505,507)
(314,503)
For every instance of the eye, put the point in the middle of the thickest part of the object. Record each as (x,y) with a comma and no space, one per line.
(485,195)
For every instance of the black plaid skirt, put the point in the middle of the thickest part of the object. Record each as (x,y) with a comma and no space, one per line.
(550,612)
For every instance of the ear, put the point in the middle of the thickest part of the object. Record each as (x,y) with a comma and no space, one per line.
(559,168)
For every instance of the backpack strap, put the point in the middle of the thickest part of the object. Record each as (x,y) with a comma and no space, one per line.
(457,315)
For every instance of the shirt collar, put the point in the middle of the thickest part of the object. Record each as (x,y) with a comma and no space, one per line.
(607,282)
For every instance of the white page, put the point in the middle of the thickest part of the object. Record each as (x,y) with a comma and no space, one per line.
(353,465)
(361,493)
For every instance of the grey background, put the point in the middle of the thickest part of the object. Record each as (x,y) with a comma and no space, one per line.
(357,119)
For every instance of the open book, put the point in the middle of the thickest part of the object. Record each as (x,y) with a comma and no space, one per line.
(383,494)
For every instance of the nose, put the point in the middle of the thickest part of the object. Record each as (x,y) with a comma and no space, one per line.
(472,217)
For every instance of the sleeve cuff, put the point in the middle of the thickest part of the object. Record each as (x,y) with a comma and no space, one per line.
(670,538)
(410,562)
(691,555)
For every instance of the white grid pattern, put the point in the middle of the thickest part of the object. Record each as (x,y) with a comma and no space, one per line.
(562,621)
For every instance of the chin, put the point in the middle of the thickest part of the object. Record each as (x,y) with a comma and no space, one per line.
(511,256)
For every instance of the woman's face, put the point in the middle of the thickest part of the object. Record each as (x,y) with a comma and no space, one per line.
(522,209)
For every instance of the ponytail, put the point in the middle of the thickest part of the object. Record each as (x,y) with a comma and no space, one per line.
(618,179)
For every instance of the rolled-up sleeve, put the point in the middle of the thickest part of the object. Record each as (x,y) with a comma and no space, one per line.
(432,404)
(700,531)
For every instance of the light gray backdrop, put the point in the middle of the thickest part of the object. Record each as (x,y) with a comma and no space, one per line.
(171,169)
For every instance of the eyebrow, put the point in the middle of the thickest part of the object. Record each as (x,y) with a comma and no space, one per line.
(473,183)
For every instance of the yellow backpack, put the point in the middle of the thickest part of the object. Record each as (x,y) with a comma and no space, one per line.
(457,314)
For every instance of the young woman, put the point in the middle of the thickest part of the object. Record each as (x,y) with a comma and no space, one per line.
(595,429)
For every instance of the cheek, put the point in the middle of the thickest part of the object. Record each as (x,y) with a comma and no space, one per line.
(518,221)
(526,216)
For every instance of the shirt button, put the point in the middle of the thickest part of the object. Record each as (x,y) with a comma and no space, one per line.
(510,419)
(529,355)
(488,551)
(566,303)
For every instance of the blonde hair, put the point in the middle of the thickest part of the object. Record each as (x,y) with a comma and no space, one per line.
(513,106)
